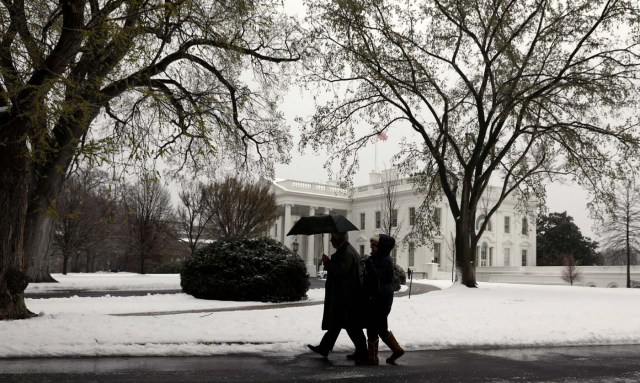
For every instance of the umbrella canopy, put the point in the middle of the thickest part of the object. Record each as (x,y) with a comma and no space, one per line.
(319,224)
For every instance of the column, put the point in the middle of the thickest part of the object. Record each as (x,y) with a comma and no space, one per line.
(286,226)
(311,265)
(325,238)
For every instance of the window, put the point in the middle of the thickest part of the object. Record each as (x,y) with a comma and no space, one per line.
(394,218)
(362,221)
(412,254)
(524,257)
(378,219)
(412,216)
(507,256)
(491,256)
(480,221)
(362,250)
(507,225)
(483,254)
(525,226)
(437,251)
(437,217)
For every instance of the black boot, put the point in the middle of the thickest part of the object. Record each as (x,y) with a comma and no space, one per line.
(318,350)
(373,353)
(362,358)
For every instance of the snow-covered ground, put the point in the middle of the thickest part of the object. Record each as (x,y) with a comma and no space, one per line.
(491,315)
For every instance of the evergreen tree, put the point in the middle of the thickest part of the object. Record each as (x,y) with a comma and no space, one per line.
(558,237)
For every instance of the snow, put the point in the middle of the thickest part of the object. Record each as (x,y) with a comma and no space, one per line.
(493,315)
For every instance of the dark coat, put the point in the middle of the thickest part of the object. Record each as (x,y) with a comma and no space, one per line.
(378,278)
(343,301)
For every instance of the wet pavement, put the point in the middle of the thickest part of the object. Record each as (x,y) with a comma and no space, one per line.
(593,364)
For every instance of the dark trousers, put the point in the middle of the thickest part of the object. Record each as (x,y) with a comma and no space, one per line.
(377,325)
(355,334)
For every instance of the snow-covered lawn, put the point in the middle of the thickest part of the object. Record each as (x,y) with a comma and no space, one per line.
(491,315)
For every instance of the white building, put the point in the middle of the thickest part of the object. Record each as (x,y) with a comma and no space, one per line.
(509,241)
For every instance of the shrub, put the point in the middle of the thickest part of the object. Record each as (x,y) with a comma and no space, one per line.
(248,269)
(172,267)
(399,277)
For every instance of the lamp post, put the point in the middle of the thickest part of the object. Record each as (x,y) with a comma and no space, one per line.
(295,246)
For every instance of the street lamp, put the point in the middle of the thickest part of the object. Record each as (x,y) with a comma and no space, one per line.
(295,246)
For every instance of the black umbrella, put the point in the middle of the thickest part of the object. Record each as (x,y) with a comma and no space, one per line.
(319,224)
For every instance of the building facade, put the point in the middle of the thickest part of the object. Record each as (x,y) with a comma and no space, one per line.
(508,241)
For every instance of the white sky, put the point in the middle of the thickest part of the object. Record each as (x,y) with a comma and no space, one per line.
(489,316)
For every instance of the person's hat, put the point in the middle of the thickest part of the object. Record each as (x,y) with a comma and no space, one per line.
(375,238)
(386,243)
(340,237)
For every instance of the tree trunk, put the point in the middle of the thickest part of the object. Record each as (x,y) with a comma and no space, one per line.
(142,257)
(465,252)
(14,172)
(38,236)
(91,260)
(628,255)
(76,263)
(65,261)
(40,225)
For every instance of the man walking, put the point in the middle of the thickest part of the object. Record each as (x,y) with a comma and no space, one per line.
(342,299)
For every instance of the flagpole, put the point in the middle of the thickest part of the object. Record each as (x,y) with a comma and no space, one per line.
(375,156)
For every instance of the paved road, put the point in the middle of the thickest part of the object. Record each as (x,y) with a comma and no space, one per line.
(599,364)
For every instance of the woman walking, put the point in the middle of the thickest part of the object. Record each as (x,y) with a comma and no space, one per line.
(378,286)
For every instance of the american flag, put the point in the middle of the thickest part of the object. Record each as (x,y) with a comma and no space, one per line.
(382,136)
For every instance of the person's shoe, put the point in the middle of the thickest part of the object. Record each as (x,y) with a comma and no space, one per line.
(318,350)
(395,347)
(362,358)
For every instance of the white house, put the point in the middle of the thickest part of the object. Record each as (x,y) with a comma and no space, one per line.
(509,241)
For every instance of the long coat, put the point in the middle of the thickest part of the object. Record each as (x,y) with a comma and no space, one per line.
(378,283)
(343,299)
(380,267)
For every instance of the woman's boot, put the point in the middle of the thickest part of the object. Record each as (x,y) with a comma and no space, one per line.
(395,348)
(373,353)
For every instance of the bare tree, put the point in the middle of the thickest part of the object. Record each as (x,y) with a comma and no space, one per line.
(390,222)
(486,91)
(148,209)
(83,79)
(570,272)
(78,216)
(619,257)
(240,208)
(621,230)
(193,216)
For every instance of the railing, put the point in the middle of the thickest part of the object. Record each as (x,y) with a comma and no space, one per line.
(312,186)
